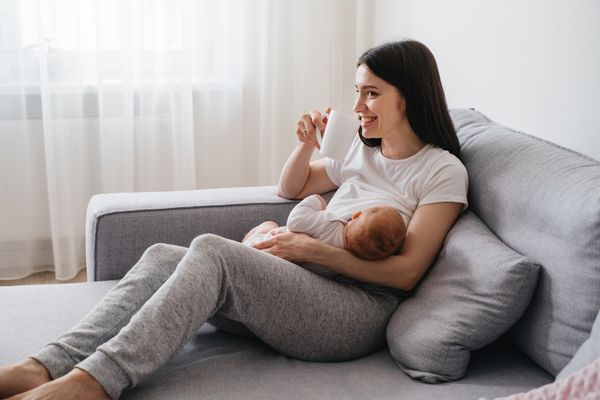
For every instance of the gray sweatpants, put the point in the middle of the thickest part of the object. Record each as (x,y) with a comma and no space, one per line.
(167,296)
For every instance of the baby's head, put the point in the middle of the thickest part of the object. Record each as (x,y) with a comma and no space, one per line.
(374,233)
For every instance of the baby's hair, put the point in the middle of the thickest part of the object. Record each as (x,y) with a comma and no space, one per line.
(376,240)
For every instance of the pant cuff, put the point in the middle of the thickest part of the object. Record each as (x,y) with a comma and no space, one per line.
(55,359)
(107,372)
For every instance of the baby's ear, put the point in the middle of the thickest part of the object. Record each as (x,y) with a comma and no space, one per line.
(356,214)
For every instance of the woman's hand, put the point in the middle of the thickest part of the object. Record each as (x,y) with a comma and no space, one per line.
(300,177)
(306,127)
(290,246)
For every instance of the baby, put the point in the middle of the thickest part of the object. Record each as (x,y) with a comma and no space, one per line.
(372,234)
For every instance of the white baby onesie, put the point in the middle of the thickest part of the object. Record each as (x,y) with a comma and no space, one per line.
(311,218)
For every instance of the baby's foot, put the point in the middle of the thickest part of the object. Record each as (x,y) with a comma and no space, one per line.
(21,377)
(262,228)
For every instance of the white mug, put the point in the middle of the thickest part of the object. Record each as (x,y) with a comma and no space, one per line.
(338,136)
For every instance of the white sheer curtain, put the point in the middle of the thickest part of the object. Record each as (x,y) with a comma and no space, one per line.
(104,96)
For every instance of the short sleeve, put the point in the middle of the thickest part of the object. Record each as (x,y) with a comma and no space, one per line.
(448,182)
(333,169)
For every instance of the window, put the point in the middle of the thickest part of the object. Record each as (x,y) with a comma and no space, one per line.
(116,41)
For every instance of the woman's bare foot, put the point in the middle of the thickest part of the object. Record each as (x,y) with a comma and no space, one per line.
(77,384)
(21,377)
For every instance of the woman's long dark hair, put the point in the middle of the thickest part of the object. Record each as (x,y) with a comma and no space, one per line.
(412,69)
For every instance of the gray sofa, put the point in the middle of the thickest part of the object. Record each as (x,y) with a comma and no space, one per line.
(541,200)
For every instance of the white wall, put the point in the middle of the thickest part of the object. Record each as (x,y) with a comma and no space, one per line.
(533,65)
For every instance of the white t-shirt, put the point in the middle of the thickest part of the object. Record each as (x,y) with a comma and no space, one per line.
(366,178)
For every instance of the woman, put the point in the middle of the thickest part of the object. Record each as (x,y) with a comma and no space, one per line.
(407,158)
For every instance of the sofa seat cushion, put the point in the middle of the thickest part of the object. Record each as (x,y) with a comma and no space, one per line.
(32,316)
(216,365)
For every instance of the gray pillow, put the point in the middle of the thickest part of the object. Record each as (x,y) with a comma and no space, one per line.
(542,201)
(587,353)
(476,290)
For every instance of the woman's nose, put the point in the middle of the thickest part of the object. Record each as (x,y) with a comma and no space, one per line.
(358,105)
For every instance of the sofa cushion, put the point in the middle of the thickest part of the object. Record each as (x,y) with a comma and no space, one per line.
(220,366)
(477,288)
(544,202)
(587,353)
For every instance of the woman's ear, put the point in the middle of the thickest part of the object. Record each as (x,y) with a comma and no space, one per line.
(402,103)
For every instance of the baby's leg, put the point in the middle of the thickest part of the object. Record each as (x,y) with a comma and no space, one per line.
(261,229)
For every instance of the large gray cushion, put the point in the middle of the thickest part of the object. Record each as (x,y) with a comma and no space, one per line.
(544,202)
(475,291)
(587,353)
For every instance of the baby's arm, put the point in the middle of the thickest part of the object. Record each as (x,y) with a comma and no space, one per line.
(307,216)
(322,200)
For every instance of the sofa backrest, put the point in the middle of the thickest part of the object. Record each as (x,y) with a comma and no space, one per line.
(543,201)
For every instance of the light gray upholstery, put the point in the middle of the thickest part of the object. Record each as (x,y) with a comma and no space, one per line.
(475,291)
(215,365)
(541,200)
(544,202)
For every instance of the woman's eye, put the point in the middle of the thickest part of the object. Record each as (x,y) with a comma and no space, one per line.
(369,93)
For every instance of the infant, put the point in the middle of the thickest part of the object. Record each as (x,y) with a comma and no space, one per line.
(371,234)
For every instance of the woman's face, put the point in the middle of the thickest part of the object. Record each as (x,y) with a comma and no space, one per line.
(381,109)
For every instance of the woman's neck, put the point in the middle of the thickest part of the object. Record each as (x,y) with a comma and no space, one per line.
(402,145)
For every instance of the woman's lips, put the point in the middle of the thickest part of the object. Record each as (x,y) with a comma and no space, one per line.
(365,122)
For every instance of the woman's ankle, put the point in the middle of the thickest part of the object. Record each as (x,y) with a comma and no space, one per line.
(83,378)
(35,367)
(21,377)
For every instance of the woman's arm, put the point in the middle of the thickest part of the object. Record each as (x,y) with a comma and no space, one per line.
(424,239)
(299,177)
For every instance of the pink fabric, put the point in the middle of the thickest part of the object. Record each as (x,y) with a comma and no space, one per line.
(583,384)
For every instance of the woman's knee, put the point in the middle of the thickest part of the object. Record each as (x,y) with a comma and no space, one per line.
(207,241)
(158,262)
(215,246)
(207,250)
(162,255)
(164,251)
(224,255)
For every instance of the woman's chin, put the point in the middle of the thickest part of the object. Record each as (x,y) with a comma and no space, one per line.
(369,134)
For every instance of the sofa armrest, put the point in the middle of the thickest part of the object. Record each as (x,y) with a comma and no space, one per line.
(121,226)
